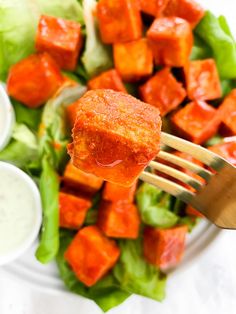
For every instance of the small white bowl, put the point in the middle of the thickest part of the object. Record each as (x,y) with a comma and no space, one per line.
(7,117)
(29,218)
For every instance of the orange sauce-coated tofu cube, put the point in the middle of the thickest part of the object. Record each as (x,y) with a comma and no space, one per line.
(81,180)
(163,91)
(72,210)
(91,255)
(34,80)
(71,112)
(227,150)
(228,114)
(197,121)
(171,40)
(119,21)
(193,212)
(61,38)
(119,219)
(202,79)
(133,60)
(188,10)
(115,136)
(153,7)
(114,192)
(107,80)
(164,248)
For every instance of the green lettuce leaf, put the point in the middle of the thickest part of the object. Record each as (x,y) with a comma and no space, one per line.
(49,190)
(190,222)
(22,134)
(227,86)
(69,9)
(225,26)
(132,89)
(28,116)
(54,137)
(17,153)
(178,207)
(97,57)
(92,214)
(72,76)
(22,150)
(106,293)
(215,34)
(159,217)
(135,275)
(217,139)
(200,49)
(54,132)
(82,73)
(18,24)
(148,195)
(154,206)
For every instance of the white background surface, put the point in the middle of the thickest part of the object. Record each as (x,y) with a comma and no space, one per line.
(208,286)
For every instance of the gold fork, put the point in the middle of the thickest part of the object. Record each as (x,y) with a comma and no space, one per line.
(216,199)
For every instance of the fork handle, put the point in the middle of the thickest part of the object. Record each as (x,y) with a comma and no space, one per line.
(217,201)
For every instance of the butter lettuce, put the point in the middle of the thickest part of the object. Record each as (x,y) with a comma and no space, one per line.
(135,275)
(18,24)
(227,86)
(225,26)
(97,57)
(53,139)
(22,150)
(49,190)
(68,9)
(92,214)
(215,33)
(30,117)
(154,206)
(200,49)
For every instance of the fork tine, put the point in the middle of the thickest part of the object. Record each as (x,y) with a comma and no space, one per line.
(176,160)
(167,186)
(176,174)
(198,152)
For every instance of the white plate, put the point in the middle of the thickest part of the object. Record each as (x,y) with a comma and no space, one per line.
(46,278)
(7,117)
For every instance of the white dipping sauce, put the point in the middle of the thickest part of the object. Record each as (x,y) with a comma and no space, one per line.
(18,215)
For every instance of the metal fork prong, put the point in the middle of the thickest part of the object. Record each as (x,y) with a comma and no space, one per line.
(205,156)
(176,160)
(176,174)
(167,186)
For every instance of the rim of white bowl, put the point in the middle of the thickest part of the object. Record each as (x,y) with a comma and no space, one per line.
(33,234)
(9,121)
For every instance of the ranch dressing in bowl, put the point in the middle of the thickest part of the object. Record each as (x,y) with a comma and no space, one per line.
(20,212)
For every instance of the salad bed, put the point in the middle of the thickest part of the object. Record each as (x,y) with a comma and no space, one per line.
(43,129)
